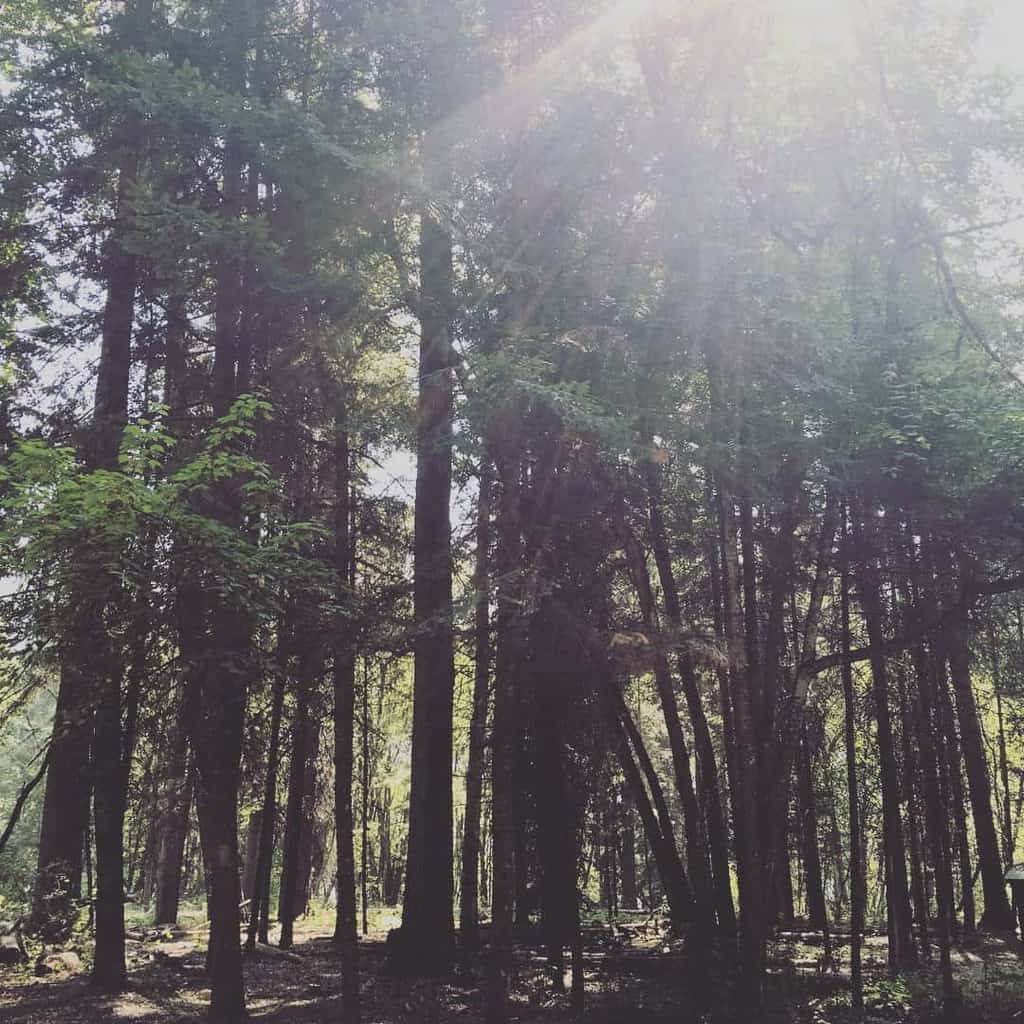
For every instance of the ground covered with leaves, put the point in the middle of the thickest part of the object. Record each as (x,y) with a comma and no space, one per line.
(634,975)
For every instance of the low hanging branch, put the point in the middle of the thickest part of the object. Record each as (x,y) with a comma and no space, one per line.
(970,593)
(26,792)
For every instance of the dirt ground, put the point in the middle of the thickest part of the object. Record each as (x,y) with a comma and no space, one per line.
(633,976)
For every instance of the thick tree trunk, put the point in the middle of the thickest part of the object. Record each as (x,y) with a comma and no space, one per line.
(110,754)
(310,855)
(66,796)
(469,892)
(428,941)
(223,669)
(109,973)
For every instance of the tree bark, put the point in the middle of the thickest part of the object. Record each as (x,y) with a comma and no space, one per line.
(902,951)
(428,939)
(66,796)
(997,913)
(817,912)
(259,908)
(469,891)
(717,833)
(295,824)
(344,680)
(858,891)
(173,824)
(696,854)
(223,668)
(505,729)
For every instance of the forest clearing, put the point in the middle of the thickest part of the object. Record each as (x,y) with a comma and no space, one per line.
(512,510)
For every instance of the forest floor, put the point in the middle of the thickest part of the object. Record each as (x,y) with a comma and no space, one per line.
(632,977)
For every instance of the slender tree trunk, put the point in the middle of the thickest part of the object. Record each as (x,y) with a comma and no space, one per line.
(745,810)
(929,736)
(902,951)
(661,843)
(1004,763)
(344,721)
(173,824)
(918,892)
(253,828)
(717,834)
(696,854)
(259,916)
(858,889)
(816,910)
(951,791)
(365,805)
(470,879)
(287,909)
(998,913)
(627,854)
(428,939)
(505,728)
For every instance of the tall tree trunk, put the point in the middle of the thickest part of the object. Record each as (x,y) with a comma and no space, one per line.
(65,812)
(696,854)
(109,972)
(505,729)
(1006,817)
(657,828)
(295,811)
(469,892)
(858,889)
(627,853)
(745,809)
(918,892)
(173,823)
(259,908)
(817,912)
(253,828)
(998,913)
(427,927)
(902,951)
(344,721)
(224,666)
(310,841)
(951,791)
(717,834)
(932,755)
